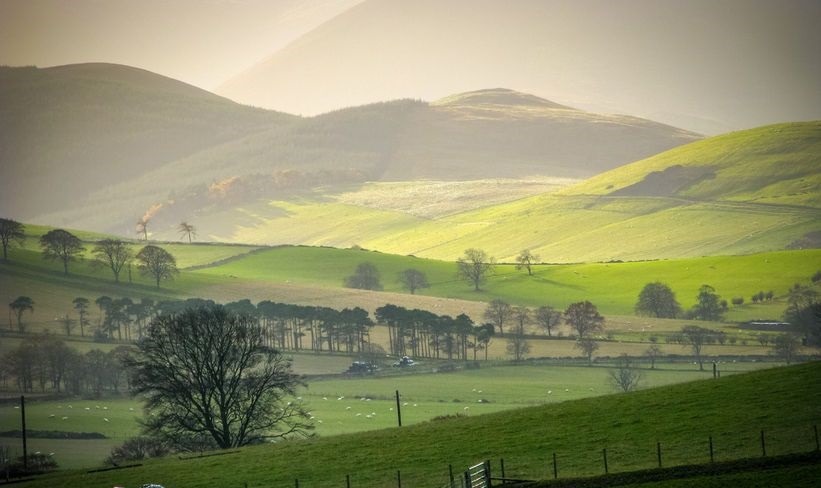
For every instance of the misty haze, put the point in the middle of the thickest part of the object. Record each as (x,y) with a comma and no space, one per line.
(433,243)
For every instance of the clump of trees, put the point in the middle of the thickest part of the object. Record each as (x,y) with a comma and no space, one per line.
(43,362)
(658,300)
(804,313)
(422,333)
(412,279)
(366,277)
(207,376)
(709,305)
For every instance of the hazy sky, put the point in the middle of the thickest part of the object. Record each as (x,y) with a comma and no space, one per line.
(201,42)
(705,65)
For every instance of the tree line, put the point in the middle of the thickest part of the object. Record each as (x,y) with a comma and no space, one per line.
(44,362)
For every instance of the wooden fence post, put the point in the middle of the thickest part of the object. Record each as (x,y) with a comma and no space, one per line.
(348,481)
(555,467)
(450,476)
(604,455)
(658,452)
(711,449)
(398,479)
(502,465)
(817,446)
(763,447)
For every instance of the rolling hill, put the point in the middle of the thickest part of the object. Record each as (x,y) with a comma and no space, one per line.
(114,143)
(71,130)
(744,192)
(731,411)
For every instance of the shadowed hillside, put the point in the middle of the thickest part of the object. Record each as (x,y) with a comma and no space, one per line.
(70,130)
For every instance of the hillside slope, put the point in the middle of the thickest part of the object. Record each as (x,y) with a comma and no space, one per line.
(731,410)
(744,192)
(73,129)
(476,135)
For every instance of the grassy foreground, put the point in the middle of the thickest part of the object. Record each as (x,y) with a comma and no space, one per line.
(733,410)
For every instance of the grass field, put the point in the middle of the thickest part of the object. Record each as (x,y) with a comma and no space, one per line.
(315,276)
(343,405)
(781,401)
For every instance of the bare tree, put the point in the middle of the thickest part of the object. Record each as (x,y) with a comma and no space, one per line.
(625,376)
(588,347)
(526,260)
(365,277)
(584,318)
(206,375)
(68,323)
(113,253)
(653,352)
(157,263)
(474,267)
(142,227)
(413,279)
(187,229)
(81,306)
(697,337)
(11,232)
(498,312)
(786,347)
(62,245)
(548,318)
(517,345)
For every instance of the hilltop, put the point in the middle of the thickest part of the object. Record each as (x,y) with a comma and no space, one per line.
(732,410)
(704,70)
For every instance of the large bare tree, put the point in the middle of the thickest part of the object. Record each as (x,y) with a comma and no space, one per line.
(206,376)
(474,267)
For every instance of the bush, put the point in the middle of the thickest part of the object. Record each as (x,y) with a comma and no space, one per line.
(137,449)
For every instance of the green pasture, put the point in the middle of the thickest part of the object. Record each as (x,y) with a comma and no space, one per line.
(771,164)
(613,287)
(342,405)
(733,410)
(316,275)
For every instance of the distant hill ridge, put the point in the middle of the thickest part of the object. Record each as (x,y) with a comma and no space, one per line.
(110,141)
(497,96)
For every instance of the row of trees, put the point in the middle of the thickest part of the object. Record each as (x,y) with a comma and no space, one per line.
(114,254)
(44,362)
(424,334)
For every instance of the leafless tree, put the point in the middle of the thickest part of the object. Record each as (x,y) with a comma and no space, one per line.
(474,267)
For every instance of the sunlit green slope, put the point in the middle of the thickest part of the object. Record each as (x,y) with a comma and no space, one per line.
(732,410)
